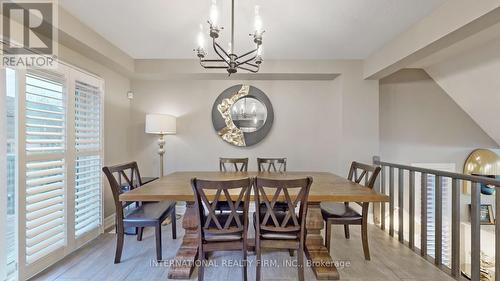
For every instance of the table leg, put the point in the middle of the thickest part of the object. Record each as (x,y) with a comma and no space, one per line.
(321,262)
(184,260)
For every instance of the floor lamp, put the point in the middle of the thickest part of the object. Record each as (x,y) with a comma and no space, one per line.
(161,125)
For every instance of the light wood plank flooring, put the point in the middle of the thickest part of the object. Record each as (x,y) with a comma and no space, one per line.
(391,261)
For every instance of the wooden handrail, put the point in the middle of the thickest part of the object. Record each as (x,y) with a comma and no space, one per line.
(478,179)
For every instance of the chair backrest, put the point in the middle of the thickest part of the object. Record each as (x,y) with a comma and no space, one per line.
(271,220)
(122,178)
(269,164)
(239,164)
(363,172)
(360,172)
(208,193)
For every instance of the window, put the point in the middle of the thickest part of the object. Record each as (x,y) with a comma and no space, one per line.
(88,159)
(54,160)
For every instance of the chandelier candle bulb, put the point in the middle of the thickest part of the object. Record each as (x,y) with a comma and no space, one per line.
(214,14)
(257,20)
(201,39)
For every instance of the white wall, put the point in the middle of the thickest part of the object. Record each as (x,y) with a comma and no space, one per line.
(420,123)
(306,127)
(319,125)
(471,79)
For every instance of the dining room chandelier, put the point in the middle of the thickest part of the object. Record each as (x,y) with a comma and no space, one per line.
(229,60)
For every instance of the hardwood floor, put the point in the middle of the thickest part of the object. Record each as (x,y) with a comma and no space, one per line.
(391,261)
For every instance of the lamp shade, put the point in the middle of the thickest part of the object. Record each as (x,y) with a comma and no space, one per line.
(160,124)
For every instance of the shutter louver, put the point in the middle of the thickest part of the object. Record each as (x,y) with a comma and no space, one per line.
(45,165)
(44,208)
(88,160)
(45,107)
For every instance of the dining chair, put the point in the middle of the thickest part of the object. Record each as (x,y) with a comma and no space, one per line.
(269,165)
(144,214)
(239,164)
(125,186)
(222,231)
(265,165)
(343,214)
(234,165)
(276,229)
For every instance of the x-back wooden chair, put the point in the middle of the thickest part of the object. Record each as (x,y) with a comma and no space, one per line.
(274,165)
(222,231)
(269,165)
(233,165)
(276,229)
(343,214)
(238,164)
(143,215)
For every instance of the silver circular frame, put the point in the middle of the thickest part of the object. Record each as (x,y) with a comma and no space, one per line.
(225,127)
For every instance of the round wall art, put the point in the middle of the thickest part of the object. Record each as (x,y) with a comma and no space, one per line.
(242,115)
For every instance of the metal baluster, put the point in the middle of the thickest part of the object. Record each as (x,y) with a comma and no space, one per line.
(455,228)
(423,215)
(475,243)
(497,233)
(382,190)
(411,239)
(391,202)
(401,202)
(438,232)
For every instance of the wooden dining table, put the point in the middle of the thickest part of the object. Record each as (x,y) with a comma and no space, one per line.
(326,187)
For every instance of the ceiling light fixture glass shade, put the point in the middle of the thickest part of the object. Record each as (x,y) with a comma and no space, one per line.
(249,61)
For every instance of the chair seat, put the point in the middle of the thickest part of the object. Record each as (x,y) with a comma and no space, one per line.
(150,212)
(278,206)
(223,206)
(339,211)
(212,233)
(278,235)
(222,237)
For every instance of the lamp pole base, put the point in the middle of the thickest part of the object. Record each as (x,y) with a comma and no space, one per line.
(161,152)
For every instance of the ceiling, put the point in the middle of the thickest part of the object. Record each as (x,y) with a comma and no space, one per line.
(295,29)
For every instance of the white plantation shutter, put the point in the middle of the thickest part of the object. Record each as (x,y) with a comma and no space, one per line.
(55,156)
(88,158)
(45,106)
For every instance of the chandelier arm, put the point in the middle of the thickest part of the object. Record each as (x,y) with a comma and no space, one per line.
(213,67)
(253,65)
(202,63)
(210,60)
(247,61)
(249,53)
(216,45)
(248,69)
